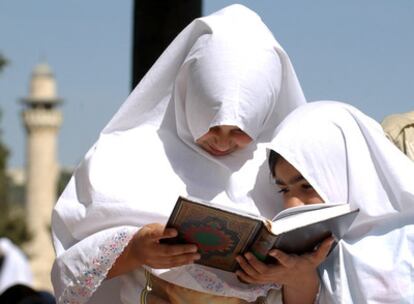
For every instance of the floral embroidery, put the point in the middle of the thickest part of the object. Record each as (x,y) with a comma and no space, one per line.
(82,289)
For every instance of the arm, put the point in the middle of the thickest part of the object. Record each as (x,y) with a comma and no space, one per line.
(81,266)
(304,287)
(297,274)
(145,249)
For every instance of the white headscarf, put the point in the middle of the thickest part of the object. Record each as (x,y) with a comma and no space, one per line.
(15,268)
(224,69)
(345,155)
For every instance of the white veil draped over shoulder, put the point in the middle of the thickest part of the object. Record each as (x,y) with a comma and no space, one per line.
(346,157)
(223,69)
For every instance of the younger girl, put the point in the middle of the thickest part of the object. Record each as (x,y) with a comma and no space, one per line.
(343,156)
(297,274)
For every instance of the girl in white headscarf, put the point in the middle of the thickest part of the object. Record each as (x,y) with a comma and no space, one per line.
(196,125)
(345,157)
(14,266)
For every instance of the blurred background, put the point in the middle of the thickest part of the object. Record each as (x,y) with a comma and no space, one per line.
(67,66)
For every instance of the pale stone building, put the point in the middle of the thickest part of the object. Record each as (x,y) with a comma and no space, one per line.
(42,120)
(399,128)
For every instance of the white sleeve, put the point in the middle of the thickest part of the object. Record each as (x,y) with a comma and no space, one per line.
(80,269)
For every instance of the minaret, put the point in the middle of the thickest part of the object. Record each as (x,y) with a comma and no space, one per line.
(42,120)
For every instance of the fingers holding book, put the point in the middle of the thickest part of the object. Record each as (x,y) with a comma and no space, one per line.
(148,250)
(289,270)
(254,271)
(308,260)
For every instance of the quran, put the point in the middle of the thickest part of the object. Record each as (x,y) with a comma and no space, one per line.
(223,233)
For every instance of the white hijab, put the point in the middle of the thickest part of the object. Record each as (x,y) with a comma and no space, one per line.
(224,69)
(15,268)
(345,155)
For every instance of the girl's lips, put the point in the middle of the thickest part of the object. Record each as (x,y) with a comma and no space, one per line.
(219,152)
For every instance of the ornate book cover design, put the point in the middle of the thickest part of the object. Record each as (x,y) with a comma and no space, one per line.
(220,235)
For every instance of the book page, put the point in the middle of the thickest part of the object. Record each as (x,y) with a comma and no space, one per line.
(303,208)
(231,209)
(306,233)
(310,216)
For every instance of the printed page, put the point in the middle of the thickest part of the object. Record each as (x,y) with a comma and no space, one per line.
(300,209)
(313,214)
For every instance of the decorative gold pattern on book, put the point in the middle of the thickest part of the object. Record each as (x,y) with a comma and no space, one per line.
(219,235)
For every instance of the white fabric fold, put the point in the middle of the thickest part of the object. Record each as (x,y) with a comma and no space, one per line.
(223,69)
(15,268)
(346,157)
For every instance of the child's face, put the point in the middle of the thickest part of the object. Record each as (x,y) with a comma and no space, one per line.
(223,140)
(295,189)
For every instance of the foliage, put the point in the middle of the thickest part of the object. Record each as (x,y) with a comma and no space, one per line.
(4,182)
(13,223)
(12,220)
(3,62)
(64,178)
(4,154)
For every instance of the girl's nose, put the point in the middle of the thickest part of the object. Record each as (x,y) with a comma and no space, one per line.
(293,201)
(222,143)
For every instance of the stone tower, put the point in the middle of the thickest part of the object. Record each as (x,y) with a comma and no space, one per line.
(42,120)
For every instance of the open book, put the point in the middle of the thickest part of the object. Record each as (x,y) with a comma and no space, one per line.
(222,233)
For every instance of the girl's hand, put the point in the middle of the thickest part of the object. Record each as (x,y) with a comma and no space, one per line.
(290,271)
(145,248)
(297,274)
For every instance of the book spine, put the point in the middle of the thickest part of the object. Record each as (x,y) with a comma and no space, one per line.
(263,243)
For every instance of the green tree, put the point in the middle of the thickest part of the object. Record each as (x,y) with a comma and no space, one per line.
(64,177)
(12,223)
(4,154)
(3,62)
(4,182)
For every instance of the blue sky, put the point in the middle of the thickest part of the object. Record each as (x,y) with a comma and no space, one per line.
(357,51)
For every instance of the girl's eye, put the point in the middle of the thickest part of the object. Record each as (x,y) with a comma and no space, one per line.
(307,187)
(283,190)
(238,131)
